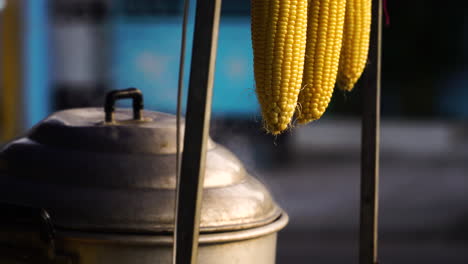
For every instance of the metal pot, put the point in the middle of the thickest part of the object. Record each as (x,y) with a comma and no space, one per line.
(92,186)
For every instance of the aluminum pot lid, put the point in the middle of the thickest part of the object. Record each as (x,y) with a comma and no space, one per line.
(115,171)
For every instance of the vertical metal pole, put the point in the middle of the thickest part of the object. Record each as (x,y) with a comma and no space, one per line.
(179,117)
(370,144)
(196,129)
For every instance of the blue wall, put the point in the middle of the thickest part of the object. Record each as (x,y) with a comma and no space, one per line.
(146,55)
(36,62)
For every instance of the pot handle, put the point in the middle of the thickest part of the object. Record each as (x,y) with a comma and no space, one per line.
(130,93)
(17,219)
(22,215)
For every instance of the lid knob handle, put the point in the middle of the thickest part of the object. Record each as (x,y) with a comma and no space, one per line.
(130,93)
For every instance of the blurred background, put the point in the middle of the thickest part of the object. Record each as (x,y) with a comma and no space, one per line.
(58,54)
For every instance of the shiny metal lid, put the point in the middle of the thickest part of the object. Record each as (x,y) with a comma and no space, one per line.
(120,176)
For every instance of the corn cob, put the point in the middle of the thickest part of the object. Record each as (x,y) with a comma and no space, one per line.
(279,42)
(355,43)
(324,38)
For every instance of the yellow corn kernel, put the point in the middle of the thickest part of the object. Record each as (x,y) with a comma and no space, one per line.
(324,37)
(355,47)
(279,41)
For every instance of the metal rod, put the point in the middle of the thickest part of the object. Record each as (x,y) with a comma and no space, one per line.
(370,144)
(196,129)
(181,81)
(179,117)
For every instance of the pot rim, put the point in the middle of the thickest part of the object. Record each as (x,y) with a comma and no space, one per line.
(148,239)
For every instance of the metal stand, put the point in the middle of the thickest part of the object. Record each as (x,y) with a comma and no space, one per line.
(196,130)
(370,144)
(197,126)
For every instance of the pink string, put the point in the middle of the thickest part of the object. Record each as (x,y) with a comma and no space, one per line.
(386,14)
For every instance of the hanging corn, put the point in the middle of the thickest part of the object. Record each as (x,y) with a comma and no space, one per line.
(355,43)
(301,48)
(279,43)
(324,38)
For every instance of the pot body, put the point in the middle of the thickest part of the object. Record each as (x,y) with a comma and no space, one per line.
(248,246)
(260,250)
(87,186)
